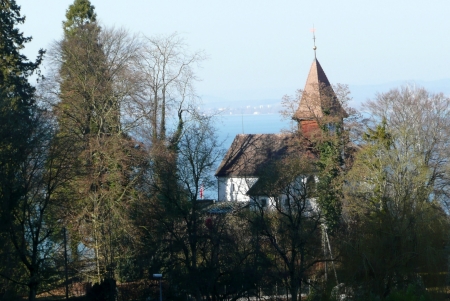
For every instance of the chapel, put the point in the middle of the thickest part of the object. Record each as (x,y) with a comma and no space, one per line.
(242,174)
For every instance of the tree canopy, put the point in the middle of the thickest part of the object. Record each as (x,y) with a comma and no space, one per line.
(80,13)
(106,177)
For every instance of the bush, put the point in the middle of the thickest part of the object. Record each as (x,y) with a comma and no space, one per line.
(412,293)
(105,291)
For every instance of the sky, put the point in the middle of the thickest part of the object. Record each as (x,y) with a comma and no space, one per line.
(261,49)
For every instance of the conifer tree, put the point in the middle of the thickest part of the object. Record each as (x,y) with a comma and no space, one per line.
(86,94)
(89,117)
(17,105)
(80,13)
(16,99)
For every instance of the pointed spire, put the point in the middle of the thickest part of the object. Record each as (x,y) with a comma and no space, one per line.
(318,96)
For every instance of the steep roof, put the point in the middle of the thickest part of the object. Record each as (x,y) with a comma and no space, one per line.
(318,96)
(249,154)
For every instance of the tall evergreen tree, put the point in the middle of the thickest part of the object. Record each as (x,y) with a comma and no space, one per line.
(17,105)
(87,104)
(16,99)
(80,13)
(104,160)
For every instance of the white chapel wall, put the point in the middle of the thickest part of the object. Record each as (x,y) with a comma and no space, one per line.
(235,189)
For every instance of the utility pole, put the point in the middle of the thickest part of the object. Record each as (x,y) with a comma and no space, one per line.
(160,285)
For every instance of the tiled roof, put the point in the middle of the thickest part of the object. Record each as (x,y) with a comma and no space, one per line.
(318,96)
(249,154)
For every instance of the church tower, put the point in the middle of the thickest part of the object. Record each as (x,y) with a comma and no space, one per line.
(319,105)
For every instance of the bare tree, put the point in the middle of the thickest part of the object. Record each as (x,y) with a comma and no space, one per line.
(419,122)
(395,192)
(167,78)
(287,215)
(34,229)
(174,213)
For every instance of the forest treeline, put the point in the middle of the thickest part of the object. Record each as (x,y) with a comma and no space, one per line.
(102,162)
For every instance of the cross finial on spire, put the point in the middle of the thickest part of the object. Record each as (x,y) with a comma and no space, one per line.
(313,30)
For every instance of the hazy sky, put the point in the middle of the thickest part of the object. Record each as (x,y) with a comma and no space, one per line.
(263,49)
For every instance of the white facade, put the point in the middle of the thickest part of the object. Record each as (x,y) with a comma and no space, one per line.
(234,188)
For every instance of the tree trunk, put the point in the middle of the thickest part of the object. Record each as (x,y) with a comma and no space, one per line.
(294,288)
(154,120)
(96,247)
(163,116)
(32,286)
(32,293)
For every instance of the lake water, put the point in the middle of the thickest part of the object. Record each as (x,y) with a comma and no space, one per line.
(231,125)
